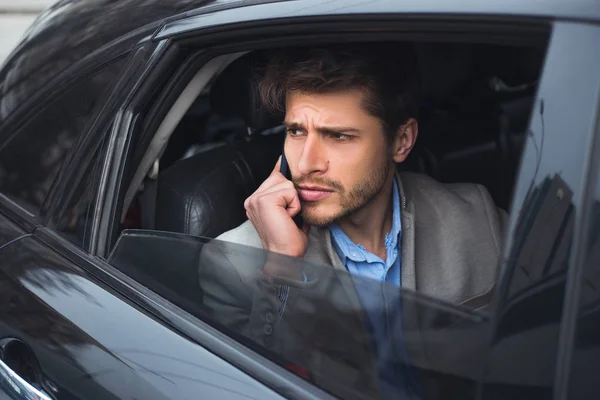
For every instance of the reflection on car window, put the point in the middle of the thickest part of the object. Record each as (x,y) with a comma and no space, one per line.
(530,314)
(31,158)
(75,221)
(583,381)
(309,318)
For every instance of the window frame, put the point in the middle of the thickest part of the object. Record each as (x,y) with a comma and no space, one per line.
(255,36)
(13,208)
(95,139)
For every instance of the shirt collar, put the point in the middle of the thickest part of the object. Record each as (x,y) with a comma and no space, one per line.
(346,248)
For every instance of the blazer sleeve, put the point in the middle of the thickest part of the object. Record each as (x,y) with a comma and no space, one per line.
(235,294)
(497,220)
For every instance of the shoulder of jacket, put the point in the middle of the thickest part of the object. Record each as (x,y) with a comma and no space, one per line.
(417,185)
(244,234)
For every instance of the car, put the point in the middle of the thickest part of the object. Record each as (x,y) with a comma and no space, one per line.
(130,135)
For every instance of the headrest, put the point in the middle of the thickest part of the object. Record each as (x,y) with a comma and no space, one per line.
(204,195)
(235,94)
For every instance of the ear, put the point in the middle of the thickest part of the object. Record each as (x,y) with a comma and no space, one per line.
(405,139)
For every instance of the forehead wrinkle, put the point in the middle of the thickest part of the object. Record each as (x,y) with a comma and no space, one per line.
(307,119)
(317,112)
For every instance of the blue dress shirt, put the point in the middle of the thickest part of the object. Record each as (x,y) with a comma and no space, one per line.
(360,262)
(382,306)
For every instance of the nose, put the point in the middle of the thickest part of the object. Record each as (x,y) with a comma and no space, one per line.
(313,158)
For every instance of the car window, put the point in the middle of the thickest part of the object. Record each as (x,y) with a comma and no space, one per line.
(75,220)
(472,127)
(31,157)
(308,319)
(585,357)
(525,356)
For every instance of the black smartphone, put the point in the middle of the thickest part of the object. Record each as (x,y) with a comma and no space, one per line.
(285,171)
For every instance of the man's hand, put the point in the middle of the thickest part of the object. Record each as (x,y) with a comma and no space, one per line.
(271,208)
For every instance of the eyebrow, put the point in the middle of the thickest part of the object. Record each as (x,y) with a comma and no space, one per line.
(323,130)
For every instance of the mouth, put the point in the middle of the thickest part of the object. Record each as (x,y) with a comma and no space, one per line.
(313,193)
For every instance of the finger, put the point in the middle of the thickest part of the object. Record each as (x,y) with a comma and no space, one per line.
(277,166)
(276,187)
(266,187)
(282,196)
(294,206)
(272,180)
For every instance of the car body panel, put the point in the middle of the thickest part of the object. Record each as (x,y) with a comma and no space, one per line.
(93,343)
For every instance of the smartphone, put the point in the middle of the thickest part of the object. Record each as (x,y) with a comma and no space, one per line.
(285,171)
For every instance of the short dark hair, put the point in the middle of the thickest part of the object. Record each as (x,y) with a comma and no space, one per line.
(387,73)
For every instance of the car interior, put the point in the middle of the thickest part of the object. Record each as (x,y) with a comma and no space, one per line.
(217,143)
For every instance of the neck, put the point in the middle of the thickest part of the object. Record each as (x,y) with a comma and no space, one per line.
(369,225)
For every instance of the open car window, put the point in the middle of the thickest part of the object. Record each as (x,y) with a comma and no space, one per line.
(314,320)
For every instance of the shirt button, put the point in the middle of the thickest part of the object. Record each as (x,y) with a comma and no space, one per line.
(269,317)
(268,330)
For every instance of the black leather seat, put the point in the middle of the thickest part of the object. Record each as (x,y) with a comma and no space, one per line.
(204,195)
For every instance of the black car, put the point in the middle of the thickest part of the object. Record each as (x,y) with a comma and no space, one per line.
(130,135)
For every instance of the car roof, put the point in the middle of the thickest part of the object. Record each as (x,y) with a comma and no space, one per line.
(71,30)
(98,22)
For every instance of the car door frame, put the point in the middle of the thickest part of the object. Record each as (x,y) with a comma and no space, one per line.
(219,35)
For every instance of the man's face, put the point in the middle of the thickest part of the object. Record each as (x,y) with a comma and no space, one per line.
(338,154)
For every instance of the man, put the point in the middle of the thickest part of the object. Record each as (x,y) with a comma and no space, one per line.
(350,117)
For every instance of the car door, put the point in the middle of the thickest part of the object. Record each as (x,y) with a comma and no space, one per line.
(65,332)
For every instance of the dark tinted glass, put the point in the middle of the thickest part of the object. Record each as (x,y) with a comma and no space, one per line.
(75,221)
(31,158)
(68,32)
(524,357)
(583,380)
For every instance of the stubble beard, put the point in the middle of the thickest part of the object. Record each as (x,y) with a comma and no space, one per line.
(361,195)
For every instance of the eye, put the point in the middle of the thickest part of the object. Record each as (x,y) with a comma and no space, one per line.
(340,136)
(294,132)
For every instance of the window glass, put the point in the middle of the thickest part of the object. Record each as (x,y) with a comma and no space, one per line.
(308,318)
(583,380)
(524,357)
(31,158)
(75,221)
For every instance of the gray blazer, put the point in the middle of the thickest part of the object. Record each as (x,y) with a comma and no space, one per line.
(451,239)
(451,245)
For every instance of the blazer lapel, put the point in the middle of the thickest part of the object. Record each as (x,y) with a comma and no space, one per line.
(408,238)
(411,321)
